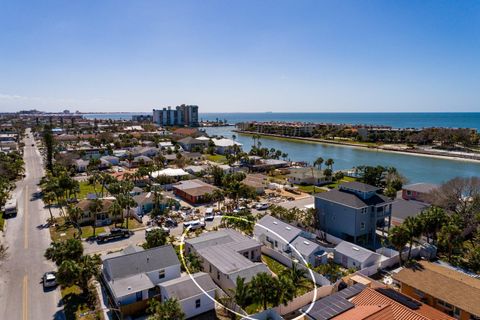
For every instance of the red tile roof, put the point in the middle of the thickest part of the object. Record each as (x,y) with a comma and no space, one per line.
(370,297)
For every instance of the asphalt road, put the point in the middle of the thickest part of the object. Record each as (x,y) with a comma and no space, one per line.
(21,291)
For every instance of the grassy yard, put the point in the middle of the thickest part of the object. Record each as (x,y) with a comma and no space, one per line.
(132,224)
(86,188)
(2,222)
(76,305)
(272,264)
(63,232)
(309,188)
(336,183)
(217,158)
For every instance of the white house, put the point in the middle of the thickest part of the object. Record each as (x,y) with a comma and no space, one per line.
(312,252)
(270,231)
(191,298)
(81,165)
(224,145)
(350,255)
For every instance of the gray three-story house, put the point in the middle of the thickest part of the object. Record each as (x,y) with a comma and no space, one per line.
(354,212)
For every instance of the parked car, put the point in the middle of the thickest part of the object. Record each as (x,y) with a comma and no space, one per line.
(49,280)
(170,223)
(262,206)
(115,233)
(194,224)
(164,229)
(209,214)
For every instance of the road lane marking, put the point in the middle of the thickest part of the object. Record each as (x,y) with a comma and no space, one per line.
(25,214)
(25,297)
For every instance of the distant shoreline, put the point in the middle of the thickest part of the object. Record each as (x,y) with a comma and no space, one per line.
(413,152)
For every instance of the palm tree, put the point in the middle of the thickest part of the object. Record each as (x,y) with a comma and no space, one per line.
(241,292)
(218,196)
(261,289)
(297,276)
(329,163)
(398,237)
(285,290)
(169,309)
(318,163)
(95,207)
(115,210)
(414,230)
(48,199)
(450,238)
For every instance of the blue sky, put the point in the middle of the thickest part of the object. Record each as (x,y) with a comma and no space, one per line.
(240,56)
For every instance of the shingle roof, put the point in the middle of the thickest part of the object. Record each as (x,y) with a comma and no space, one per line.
(184,287)
(350,199)
(360,186)
(401,209)
(141,262)
(443,283)
(285,230)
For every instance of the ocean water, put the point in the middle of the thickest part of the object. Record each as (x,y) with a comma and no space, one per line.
(414,168)
(398,120)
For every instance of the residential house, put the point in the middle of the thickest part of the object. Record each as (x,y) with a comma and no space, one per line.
(227,254)
(354,212)
(258,182)
(195,298)
(102,217)
(275,233)
(402,209)
(81,165)
(192,144)
(224,145)
(193,191)
(307,176)
(444,288)
(350,255)
(359,302)
(114,161)
(310,251)
(418,191)
(174,174)
(131,278)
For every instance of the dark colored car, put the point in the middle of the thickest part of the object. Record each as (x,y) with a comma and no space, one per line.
(115,233)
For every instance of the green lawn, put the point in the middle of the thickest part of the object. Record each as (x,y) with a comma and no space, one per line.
(132,224)
(217,158)
(336,183)
(309,188)
(76,305)
(2,222)
(70,232)
(86,188)
(272,264)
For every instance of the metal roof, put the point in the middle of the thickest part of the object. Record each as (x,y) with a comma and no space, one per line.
(184,287)
(285,230)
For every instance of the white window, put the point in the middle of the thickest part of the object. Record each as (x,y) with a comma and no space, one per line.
(362,225)
(197,303)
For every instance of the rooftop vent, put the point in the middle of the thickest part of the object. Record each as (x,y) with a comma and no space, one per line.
(355,248)
(306,242)
(288,228)
(275,222)
(129,288)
